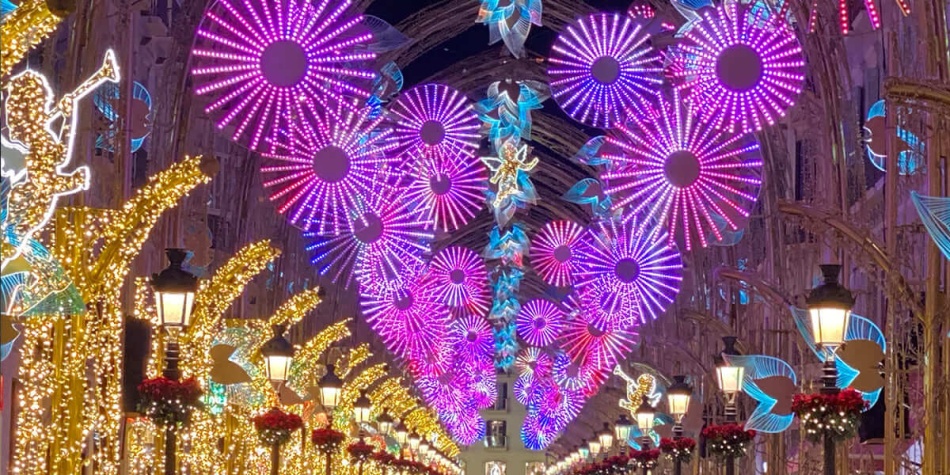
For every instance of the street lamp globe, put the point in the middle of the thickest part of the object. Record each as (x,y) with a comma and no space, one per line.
(362,408)
(278,355)
(401,433)
(829,309)
(385,422)
(729,376)
(606,437)
(678,396)
(174,290)
(331,389)
(645,415)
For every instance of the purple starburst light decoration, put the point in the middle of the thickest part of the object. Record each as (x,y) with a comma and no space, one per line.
(622,257)
(748,72)
(527,389)
(433,120)
(267,64)
(462,278)
(539,322)
(592,348)
(319,170)
(384,238)
(450,188)
(533,363)
(571,375)
(473,338)
(677,169)
(610,308)
(602,66)
(554,251)
(484,382)
(409,318)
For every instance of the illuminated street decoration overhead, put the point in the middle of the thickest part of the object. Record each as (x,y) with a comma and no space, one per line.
(462,279)
(409,318)
(506,110)
(741,74)
(451,189)
(934,212)
(435,121)
(910,158)
(603,66)
(473,339)
(510,21)
(533,363)
(267,64)
(513,187)
(539,322)
(678,169)
(844,14)
(771,382)
(554,251)
(105,98)
(595,348)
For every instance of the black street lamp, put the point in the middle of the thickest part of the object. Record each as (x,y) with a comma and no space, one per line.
(606,438)
(729,377)
(331,389)
(278,355)
(646,416)
(174,289)
(622,431)
(829,309)
(678,396)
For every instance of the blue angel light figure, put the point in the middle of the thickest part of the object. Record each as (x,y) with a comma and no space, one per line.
(510,21)
(772,383)
(858,360)
(506,109)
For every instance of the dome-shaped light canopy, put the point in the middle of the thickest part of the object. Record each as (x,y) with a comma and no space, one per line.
(829,306)
(174,290)
(331,388)
(278,354)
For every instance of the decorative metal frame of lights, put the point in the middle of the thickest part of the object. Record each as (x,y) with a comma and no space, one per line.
(433,120)
(462,279)
(623,257)
(677,169)
(505,112)
(323,168)
(268,65)
(104,98)
(554,251)
(603,66)
(740,73)
(510,21)
(539,322)
(844,20)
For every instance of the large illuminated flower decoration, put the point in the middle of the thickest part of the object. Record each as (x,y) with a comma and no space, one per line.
(592,348)
(383,241)
(510,21)
(678,169)
(744,73)
(451,189)
(433,120)
(573,375)
(533,363)
(539,322)
(528,387)
(446,392)
(623,257)
(268,64)
(462,278)
(554,251)
(409,318)
(484,382)
(320,170)
(610,307)
(473,337)
(602,66)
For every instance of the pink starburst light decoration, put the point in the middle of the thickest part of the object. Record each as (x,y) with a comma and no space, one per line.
(744,72)
(533,363)
(266,64)
(610,307)
(384,238)
(410,319)
(601,66)
(554,251)
(319,170)
(592,347)
(624,258)
(677,169)
(473,337)
(527,389)
(462,278)
(539,322)
(433,120)
(450,188)
(571,375)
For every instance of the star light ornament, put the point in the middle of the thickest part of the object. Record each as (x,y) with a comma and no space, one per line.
(510,21)
(40,178)
(433,120)
(539,322)
(678,169)
(742,73)
(266,65)
(603,66)
(513,187)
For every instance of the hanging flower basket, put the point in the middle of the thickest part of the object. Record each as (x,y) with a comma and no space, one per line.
(678,450)
(837,415)
(275,426)
(327,440)
(360,451)
(169,403)
(383,458)
(645,458)
(616,464)
(727,441)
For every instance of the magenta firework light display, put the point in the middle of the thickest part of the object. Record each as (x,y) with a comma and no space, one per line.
(601,66)
(554,251)
(263,63)
(539,322)
(744,71)
(462,279)
(592,347)
(409,318)
(678,169)
(474,339)
(433,120)
(450,188)
(319,170)
(533,363)
(623,257)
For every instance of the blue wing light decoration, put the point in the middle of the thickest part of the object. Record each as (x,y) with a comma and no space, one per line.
(510,21)
(506,109)
(689,9)
(935,214)
(387,83)
(385,36)
(510,248)
(860,363)
(911,157)
(771,382)
(6,7)
(105,97)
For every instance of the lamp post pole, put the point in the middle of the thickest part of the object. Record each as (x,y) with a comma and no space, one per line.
(678,396)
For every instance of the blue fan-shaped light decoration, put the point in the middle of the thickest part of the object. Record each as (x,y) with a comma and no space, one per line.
(385,37)
(859,329)
(934,211)
(911,157)
(510,21)
(506,109)
(772,383)
(6,7)
(105,99)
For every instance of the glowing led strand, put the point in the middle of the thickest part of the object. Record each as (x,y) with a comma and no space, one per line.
(461,276)
(301,375)
(296,308)
(433,120)
(351,391)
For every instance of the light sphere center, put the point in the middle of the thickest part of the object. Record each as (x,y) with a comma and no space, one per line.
(562,253)
(457,276)
(627,270)
(368,229)
(432,132)
(605,69)
(681,168)
(440,184)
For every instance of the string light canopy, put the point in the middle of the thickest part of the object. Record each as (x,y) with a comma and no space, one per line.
(603,65)
(679,170)
(461,277)
(433,120)
(266,65)
(743,71)
(554,251)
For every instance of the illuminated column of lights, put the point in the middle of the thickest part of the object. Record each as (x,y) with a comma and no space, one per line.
(266,65)
(554,251)
(508,248)
(462,279)
(28,25)
(505,112)
(602,66)
(678,170)
(317,170)
(539,322)
(742,74)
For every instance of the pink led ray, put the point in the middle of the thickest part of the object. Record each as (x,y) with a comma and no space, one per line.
(450,188)
(533,363)
(554,251)
(677,169)
(265,64)
(462,278)
(594,348)
(743,72)
(433,121)
(601,66)
(539,322)
(473,337)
